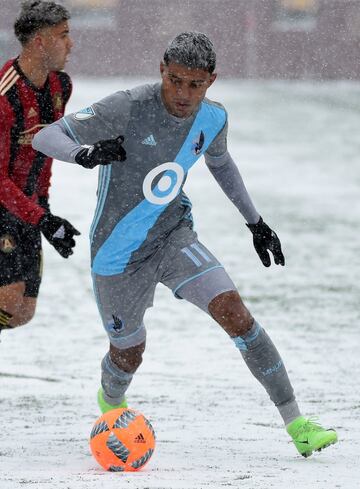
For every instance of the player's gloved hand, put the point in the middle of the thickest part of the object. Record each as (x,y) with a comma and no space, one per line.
(59,232)
(265,239)
(102,153)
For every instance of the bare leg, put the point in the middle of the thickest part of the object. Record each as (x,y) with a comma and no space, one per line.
(20,308)
(258,351)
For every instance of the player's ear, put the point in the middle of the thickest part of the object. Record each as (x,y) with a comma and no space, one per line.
(162,67)
(38,41)
(212,78)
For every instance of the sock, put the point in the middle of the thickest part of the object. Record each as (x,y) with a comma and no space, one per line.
(5,318)
(265,363)
(114,381)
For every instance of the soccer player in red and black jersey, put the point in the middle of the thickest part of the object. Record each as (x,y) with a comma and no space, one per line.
(33,94)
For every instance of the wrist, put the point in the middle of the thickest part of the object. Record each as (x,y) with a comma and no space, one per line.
(83,156)
(254,226)
(43,202)
(43,217)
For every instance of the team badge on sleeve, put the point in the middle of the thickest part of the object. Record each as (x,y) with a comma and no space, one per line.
(84,114)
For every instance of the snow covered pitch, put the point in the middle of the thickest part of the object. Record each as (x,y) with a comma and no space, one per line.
(297,146)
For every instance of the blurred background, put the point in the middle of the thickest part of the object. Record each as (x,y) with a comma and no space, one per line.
(266,39)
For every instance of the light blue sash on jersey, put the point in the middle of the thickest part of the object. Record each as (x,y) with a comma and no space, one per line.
(129,234)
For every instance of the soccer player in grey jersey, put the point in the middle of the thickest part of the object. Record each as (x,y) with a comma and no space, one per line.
(146,140)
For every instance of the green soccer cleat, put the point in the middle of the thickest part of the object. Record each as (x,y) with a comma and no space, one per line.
(104,406)
(309,436)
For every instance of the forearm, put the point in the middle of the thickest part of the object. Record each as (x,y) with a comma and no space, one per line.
(228,177)
(17,203)
(54,141)
(12,198)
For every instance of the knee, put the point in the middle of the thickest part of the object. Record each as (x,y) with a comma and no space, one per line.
(230,312)
(22,315)
(21,319)
(15,309)
(128,360)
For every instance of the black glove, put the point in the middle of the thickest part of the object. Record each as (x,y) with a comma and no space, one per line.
(102,153)
(59,232)
(265,239)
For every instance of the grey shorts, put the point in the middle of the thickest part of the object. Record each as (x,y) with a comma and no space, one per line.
(181,263)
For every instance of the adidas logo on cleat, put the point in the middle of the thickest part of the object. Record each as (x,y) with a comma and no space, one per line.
(140,439)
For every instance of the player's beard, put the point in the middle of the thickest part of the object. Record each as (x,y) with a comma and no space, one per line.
(56,63)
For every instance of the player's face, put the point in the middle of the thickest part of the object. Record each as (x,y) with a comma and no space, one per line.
(55,45)
(184,88)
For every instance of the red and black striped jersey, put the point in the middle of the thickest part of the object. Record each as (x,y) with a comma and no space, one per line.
(24,109)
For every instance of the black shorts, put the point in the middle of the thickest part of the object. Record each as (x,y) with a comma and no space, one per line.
(20,254)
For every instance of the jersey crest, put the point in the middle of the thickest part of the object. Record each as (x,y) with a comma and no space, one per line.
(85,114)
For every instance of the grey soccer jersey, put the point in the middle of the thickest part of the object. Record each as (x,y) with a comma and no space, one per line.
(140,201)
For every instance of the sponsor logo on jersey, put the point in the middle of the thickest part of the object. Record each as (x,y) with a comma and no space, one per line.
(198,144)
(167,188)
(7,243)
(57,101)
(84,114)
(26,137)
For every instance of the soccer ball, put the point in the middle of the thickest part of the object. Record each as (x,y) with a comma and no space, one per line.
(122,440)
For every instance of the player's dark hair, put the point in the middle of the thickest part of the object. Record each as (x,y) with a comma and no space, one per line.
(191,49)
(36,15)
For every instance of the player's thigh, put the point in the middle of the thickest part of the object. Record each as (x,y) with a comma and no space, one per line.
(33,269)
(192,272)
(11,257)
(20,258)
(122,301)
(12,285)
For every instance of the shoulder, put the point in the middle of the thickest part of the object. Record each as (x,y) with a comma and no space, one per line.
(8,77)
(8,80)
(143,93)
(215,112)
(7,68)
(125,100)
(63,77)
(216,106)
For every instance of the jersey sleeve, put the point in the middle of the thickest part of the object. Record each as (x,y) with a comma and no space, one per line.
(227,175)
(44,181)
(106,119)
(219,146)
(11,197)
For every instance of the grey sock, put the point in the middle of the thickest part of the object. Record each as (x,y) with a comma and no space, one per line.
(266,365)
(114,381)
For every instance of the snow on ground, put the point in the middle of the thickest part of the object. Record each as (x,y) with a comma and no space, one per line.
(297,146)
